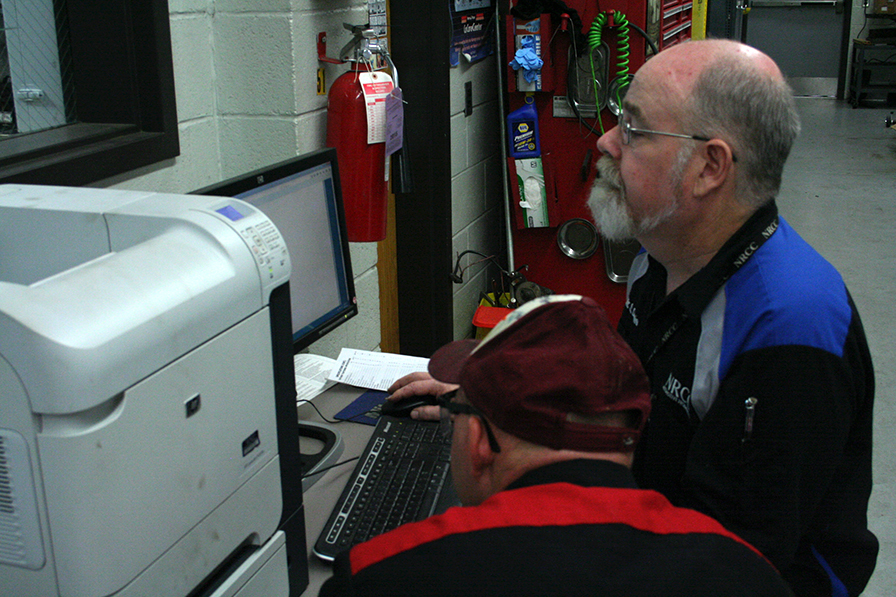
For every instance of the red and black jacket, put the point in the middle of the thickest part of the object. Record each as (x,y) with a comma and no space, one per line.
(578,527)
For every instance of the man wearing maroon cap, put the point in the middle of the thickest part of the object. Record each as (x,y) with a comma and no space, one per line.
(549,409)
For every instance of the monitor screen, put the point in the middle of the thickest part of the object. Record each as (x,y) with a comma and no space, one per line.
(302,197)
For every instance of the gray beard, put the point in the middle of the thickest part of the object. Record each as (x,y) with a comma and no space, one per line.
(610,210)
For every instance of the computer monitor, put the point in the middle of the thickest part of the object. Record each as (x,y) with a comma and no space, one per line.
(303,198)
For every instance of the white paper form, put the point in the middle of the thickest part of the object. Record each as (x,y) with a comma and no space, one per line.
(374,370)
(312,375)
(375,87)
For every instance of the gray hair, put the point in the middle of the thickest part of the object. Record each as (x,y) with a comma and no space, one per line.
(754,112)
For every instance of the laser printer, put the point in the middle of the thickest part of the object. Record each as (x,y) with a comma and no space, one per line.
(148,431)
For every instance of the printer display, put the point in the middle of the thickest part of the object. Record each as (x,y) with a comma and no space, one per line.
(146,421)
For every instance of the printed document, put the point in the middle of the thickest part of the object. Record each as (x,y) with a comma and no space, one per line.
(312,375)
(374,370)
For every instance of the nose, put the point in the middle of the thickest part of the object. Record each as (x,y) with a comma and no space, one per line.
(610,143)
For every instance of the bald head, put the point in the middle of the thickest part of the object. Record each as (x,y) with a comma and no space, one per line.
(699,53)
(679,68)
(728,90)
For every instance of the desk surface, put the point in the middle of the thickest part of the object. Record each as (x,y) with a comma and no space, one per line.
(321,497)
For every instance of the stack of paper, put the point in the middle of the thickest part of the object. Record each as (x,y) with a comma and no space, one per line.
(361,368)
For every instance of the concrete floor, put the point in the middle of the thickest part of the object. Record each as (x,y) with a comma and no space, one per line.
(839,192)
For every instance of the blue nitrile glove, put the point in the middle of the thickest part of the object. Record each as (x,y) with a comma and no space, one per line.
(528,60)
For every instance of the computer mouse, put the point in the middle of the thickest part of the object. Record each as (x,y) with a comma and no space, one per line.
(403,408)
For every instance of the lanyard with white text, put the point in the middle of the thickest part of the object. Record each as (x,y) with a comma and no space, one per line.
(743,256)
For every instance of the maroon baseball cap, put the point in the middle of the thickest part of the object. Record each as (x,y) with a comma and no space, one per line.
(546,370)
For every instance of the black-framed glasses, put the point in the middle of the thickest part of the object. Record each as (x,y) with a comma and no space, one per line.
(447,410)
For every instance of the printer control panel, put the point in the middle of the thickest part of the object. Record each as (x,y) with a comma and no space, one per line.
(269,249)
(263,239)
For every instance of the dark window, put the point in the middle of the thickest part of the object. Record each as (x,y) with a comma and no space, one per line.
(116,107)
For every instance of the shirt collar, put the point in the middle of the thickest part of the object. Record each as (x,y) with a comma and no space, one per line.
(585,472)
(699,289)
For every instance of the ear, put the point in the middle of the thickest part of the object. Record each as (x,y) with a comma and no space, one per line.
(481,455)
(718,167)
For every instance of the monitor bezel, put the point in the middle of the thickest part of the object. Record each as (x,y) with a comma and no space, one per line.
(266,175)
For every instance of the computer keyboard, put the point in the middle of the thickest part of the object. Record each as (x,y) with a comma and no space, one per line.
(402,476)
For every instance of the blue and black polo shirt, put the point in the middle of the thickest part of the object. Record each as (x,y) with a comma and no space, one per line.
(763,389)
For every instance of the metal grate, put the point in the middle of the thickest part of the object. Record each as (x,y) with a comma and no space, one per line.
(36,76)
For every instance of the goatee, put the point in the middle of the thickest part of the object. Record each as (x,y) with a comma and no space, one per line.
(607,203)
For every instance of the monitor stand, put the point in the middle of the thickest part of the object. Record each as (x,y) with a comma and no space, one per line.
(314,465)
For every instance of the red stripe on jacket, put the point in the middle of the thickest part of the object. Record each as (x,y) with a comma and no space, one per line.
(556,504)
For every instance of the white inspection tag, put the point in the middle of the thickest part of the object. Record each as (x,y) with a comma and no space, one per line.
(376,86)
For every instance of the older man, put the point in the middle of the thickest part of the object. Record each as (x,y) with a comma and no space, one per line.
(761,378)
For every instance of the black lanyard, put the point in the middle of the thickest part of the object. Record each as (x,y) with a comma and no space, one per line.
(756,240)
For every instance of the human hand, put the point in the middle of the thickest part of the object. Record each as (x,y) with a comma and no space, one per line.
(420,383)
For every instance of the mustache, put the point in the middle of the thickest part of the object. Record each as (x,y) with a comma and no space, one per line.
(608,172)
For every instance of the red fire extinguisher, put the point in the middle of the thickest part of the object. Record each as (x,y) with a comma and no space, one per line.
(362,165)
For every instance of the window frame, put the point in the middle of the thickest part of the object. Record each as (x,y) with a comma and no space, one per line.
(124,96)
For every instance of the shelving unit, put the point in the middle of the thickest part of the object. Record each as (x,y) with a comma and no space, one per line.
(873,72)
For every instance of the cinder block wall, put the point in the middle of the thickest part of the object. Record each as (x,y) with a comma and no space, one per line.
(246,87)
(477,187)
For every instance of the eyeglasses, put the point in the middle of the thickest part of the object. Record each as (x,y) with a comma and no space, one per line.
(627,129)
(447,411)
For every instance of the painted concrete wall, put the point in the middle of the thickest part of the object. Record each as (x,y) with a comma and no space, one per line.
(246,87)
(477,187)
